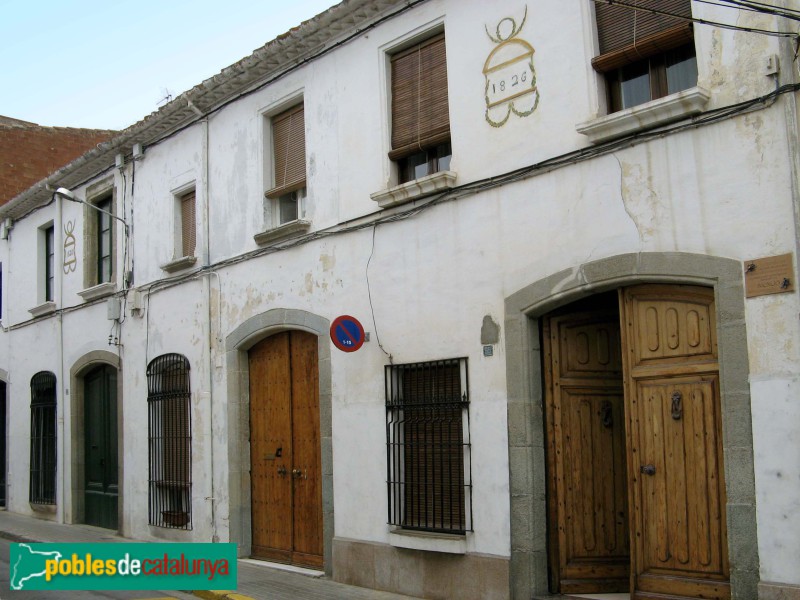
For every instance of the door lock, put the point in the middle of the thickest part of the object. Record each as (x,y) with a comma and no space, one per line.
(648,469)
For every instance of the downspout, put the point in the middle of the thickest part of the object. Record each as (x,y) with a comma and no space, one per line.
(207,284)
(61,408)
(789,64)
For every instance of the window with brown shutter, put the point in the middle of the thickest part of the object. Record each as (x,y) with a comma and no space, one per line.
(289,152)
(427,429)
(420,110)
(643,55)
(188,224)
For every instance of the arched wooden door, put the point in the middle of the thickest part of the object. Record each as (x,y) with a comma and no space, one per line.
(286,473)
(635,446)
(101,491)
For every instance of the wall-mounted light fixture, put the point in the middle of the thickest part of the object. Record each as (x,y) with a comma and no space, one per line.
(69,195)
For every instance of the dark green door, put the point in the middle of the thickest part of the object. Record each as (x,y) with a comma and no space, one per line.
(102,482)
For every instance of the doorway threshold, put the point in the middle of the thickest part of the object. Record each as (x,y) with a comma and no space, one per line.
(283,567)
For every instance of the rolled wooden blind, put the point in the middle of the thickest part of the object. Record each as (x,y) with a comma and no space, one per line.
(420,111)
(626,34)
(289,150)
(188,228)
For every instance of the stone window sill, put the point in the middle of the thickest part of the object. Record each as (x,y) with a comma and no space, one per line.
(98,291)
(179,264)
(282,231)
(45,308)
(412,190)
(431,542)
(645,116)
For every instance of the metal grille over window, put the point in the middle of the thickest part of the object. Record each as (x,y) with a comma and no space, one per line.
(43,439)
(170,442)
(429,472)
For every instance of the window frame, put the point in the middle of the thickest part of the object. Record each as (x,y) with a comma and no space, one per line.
(43,440)
(186,229)
(169,409)
(94,282)
(630,39)
(426,491)
(429,114)
(48,255)
(104,230)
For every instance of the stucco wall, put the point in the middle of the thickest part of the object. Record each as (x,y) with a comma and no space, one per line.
(720,190)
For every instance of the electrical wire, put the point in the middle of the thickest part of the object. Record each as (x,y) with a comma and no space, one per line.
(765,8)
(656,11)
(369,295)
(469,189)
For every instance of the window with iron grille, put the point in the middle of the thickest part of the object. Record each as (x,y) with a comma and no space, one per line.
(420,110)
(43,439)
(644,55)
(169,442)
(428,446)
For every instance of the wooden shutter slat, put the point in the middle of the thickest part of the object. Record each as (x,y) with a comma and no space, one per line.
(621,28)
(420,108)
(289,151)
(188,227)
(649,46)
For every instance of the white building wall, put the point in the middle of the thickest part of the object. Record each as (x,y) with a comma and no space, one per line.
(723,190)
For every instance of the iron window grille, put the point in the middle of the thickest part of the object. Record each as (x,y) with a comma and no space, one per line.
(169,442)
(43,439)
(429,466)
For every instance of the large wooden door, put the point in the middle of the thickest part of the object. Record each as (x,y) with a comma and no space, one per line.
(634,445)
(101,490)
(675,443)
(286,477)
(586,452)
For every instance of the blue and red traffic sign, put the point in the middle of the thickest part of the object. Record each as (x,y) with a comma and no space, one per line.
(347,333)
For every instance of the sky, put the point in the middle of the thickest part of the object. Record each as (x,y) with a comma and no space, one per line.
(106,64)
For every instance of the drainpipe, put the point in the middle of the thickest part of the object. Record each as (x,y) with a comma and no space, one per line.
(61,407)
(207,285)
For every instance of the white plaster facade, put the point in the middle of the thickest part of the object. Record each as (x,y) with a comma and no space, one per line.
(726,189)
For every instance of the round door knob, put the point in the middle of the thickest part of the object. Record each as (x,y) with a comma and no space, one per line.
(648,469)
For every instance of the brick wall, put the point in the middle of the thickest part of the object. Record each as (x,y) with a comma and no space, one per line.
(30,152)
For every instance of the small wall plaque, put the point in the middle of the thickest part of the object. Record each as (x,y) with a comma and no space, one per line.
(770,275)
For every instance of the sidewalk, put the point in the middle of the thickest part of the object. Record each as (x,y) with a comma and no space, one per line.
(256,581)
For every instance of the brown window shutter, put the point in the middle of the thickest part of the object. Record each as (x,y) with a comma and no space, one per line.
(289,150)
(420,110)
(188,227)
(626,34)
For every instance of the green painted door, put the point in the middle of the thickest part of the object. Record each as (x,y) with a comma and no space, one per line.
(100,427)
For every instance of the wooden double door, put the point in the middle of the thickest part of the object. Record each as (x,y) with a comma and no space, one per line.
(636,493)
(101,467)
(286,473)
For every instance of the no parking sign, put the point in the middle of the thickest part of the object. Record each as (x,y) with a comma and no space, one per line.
(347,334)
